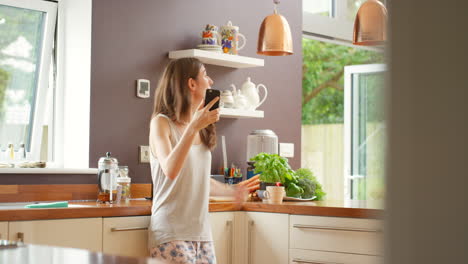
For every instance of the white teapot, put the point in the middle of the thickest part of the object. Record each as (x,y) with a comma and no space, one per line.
(251,93)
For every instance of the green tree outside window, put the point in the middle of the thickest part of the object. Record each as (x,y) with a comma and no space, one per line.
(322,83)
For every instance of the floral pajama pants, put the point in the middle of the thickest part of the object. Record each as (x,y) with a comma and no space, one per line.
(185,252)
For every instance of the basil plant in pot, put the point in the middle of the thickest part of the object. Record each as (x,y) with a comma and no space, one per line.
(275,169)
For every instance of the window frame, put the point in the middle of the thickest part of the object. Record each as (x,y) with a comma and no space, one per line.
(69,142)
(336,26)
(39,104)
(73,83)
(350,98)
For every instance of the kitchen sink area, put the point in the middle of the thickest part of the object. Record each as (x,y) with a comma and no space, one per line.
(21,205)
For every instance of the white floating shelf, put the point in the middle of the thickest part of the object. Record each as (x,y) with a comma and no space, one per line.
(220,59)
(239,113)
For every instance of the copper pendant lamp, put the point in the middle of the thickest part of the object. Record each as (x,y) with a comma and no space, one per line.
(370,25)
(274,37)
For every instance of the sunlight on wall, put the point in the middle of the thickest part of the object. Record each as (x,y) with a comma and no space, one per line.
(322,152)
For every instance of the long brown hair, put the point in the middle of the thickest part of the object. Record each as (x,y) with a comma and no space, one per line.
(173,99)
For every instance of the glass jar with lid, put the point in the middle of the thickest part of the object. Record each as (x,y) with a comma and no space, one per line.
(123,182)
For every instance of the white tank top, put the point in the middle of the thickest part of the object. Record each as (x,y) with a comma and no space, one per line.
(180,206)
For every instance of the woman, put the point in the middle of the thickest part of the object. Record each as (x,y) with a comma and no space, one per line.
(182,133)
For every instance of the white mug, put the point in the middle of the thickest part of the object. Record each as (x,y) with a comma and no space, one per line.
(274,194)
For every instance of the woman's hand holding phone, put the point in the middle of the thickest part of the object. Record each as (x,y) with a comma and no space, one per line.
(203,117)
(211,94)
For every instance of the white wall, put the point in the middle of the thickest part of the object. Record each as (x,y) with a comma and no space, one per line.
(428,160)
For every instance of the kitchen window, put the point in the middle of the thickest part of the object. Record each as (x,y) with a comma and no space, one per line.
(343,130)
(57,121)
(332,72)
(26,79)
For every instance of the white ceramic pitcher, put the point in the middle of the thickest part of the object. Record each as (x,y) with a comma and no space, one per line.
(252,94)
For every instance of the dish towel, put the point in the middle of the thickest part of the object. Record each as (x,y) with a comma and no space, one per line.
(48,205)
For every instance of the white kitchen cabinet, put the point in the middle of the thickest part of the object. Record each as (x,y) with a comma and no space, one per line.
(299,256)
(126,236)
(3,230)
(266,238)
(336,234)
(222,228)
(84,233)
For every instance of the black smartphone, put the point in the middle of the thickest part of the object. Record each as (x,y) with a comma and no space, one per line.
(211,94)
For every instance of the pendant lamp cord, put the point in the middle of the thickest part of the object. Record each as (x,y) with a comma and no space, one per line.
(276,2)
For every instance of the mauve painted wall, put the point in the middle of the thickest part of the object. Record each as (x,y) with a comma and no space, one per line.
(131,40)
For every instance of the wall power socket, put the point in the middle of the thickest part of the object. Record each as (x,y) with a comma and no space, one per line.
(286,150)
(144,154)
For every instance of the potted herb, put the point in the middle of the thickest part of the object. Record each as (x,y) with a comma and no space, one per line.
(272,169)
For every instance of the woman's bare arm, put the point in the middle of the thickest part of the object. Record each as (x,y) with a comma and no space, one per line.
(220,189)
(238,192)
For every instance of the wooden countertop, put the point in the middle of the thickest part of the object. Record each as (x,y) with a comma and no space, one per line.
(78,210)
(355,209)
(31,254)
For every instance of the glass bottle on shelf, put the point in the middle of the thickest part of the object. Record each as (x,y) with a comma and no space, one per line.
(10,153)
(21,153)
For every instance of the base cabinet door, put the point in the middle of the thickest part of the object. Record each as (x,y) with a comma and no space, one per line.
(267,238)
(84,233)
(4,230)
(126,236)
(299,256)
(222,228)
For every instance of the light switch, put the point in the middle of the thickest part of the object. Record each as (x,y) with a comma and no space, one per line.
(286,150)
(144,155)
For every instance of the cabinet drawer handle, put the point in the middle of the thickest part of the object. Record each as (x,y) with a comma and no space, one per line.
(336,228)
(312,261)
(231,233)
(250,227)
(116,229)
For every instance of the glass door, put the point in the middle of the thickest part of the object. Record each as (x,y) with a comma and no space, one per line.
(365,132)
